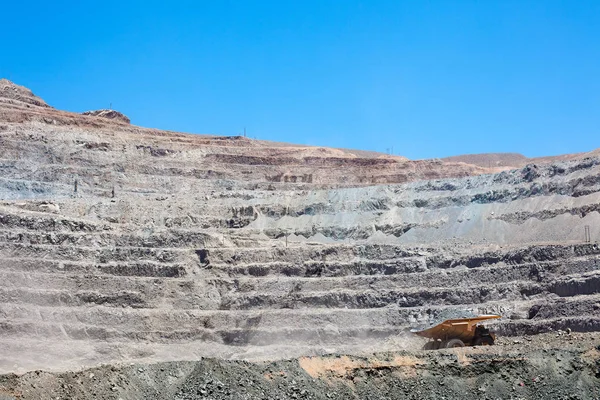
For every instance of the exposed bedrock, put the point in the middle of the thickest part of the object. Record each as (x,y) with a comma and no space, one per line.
(122,243)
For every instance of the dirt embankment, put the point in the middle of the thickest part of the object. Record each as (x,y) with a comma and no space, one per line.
(492,160)
(568,367)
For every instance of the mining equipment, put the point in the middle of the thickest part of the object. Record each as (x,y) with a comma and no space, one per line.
(458,332)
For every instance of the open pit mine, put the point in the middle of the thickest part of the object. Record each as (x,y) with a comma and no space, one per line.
(145,264)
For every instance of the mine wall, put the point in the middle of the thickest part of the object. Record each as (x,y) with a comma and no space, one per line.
(205,261)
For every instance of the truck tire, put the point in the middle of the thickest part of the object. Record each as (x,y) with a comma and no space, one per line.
(449,344)
(432,345)
(484,341)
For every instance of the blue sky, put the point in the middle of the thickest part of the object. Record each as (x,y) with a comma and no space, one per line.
(430,78)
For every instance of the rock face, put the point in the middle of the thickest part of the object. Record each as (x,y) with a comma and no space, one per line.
(511,160)
(109,114)
(120,243)
(12,94)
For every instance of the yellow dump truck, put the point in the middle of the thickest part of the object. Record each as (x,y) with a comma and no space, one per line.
(458,332)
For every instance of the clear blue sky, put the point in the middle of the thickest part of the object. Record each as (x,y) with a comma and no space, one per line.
(430,78)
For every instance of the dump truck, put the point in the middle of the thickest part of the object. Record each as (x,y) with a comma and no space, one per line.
(458,332)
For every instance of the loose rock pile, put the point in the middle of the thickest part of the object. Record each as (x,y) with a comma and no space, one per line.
(559,371)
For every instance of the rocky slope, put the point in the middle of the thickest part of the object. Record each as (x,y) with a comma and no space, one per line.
(497,162)
(121,243)
(109,114)
(568,367)
(15,96)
